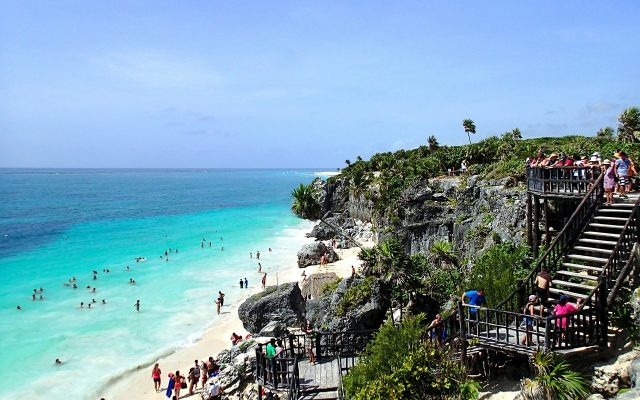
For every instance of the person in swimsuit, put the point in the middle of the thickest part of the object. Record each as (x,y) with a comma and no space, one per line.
(221,298)
(155,375)
(177,384)
(203,373)
(543,281)
(137,305)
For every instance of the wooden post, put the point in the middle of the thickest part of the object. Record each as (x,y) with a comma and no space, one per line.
(603,311)
(536,225)
(547,334)
(291,348)
(547,237)
(317,341)
(521,294)
(463,333)
(529,227)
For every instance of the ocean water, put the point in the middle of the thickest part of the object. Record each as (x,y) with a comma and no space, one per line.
(57,224)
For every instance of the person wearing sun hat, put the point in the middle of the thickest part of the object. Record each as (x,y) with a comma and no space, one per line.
(530,312)
(609,183)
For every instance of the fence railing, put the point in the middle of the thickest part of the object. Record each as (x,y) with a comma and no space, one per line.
(565,181)
(559,247)
(279,372)
(345,363)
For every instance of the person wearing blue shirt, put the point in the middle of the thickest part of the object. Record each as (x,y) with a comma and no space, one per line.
(476,298)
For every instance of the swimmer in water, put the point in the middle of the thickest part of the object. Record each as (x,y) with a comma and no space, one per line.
(259,267)
(75,286)
(128,269)
(251,256)
(88,287)
(89,305)
(81,304)
(222,248)
(58,362)
(269,249)
(137,305)
(40,297)
(18,308)
(93,290)
(33,296)
(95,277)
(104,302)
(93,300)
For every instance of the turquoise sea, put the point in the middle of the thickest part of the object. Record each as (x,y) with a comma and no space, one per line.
(57,224)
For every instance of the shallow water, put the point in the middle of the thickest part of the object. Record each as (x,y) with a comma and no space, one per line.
(61,224)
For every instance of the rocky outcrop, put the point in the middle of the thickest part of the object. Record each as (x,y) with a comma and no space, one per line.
(271,311)
(310,254)
(314,283)
(322,312)
(609,378)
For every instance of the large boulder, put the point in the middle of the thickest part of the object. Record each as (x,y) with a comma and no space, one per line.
(310,254)
(322,312)
(609,378)
(276,307)
(327,230)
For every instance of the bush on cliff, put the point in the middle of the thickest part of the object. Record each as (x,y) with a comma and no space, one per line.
(498,269)
(397,365)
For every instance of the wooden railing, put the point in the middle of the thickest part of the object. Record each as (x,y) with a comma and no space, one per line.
(277,373)
(345,363)
(294,389)
(587,326)
(564,181)
(561,244)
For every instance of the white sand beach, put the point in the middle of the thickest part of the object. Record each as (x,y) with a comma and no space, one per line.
(139,385)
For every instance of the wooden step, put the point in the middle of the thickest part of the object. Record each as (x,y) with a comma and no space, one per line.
(557,283)
(616,211)
(596,241)
(588,258)
(610,219)
(601,234)
(605,226)
(568,293)
(577,275)
(582,267)
(621,205)
(593,249)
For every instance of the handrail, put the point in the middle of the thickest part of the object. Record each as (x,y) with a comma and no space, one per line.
(623,273)
(294,389)
(561,180)
(562,241)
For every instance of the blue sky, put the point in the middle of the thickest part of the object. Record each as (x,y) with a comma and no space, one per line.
(300,84)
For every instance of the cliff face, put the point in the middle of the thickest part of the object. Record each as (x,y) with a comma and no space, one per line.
(468,213)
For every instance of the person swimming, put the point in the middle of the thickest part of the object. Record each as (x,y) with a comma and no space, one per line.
(104,302)
(18,308)
(58,361)
(93,301)
(93,290)
(89,305)
(137,305)
(75,286)
(81,304)
(33,296)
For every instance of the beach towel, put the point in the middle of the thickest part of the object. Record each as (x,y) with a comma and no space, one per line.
(170,387)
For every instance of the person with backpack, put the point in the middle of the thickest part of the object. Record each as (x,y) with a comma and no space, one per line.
(529,311)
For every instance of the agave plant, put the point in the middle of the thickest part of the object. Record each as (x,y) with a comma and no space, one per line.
(442,253)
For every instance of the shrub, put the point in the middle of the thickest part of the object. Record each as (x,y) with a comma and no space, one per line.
(397,365)
(498,268)
(330,287)
(355,296)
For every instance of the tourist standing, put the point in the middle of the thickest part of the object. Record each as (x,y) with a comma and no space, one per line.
(218,306)
(155,375)
(264,280)
(241,284)
(530,311)
(221,298)
(177,384)
(246,283)
(543,281)
(609,181)
(204,373)
(622,171)
(562,308)
(476,299)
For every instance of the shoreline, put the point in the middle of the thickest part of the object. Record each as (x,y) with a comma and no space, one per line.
(137,383)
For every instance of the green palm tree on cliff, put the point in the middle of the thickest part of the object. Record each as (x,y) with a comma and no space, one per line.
(469,127)
(305,205)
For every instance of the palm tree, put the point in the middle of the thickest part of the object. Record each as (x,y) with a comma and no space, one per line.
(305,205)
(554,380)
(516,134)
(442,253)
(629,125)
(469,127)
(433,143)
(605,133)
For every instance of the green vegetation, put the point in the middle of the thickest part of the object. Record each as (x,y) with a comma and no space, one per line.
(330,287)
(491,158)
(304,203)
(397,365)
(355,296)
(498,269)
(554,380)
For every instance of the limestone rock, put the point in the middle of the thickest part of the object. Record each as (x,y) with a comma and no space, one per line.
(282,305)
(310,254)
(609,378)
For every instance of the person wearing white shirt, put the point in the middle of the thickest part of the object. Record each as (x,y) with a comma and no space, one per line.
(215,391)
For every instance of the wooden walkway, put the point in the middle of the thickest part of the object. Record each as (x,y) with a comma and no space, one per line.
(322,375)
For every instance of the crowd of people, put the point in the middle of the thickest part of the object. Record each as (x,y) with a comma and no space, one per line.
(620,171)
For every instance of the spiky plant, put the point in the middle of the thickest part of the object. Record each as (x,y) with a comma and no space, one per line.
(554,380)
(304,203)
